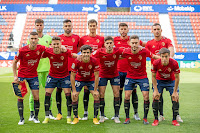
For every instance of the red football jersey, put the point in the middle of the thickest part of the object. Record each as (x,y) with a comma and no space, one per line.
(95,42)
(85,71)
(122,43)
(137,63)
(154,46)
(29,60)
(58,63)
(165,72)
(108,62)
(71,43)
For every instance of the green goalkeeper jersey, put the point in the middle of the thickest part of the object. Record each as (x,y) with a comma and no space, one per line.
(44,64)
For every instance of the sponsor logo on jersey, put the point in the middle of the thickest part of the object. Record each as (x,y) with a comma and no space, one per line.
(32,62)
(165,75)
(80,67)
(135,64)
(103,57)
(160,70)
(109,63)
(85,74)
(57,64)
(129,58)
(90,66)
(62,57)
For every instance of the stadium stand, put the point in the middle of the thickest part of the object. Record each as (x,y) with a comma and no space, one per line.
(53,23)
(76,1)
(139,23)
(149,2)
(24,1)
(188,2)
(7,21)
(186,33)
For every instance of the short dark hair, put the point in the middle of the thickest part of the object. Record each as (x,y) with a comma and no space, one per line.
(134,37)
(39,21)
(108,38)
(66,21)
(33,33)
(85,47)
(92,21)
(123,24)
(56,38)
(164,50)
(155,24)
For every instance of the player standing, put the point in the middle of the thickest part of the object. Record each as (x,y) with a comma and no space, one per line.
(71,42)
(43,67)
(108,57)
(96,42)
(165,74)
(154,46)
(123,42)
(58,74)
(136,56)
(85,73)
(29,57)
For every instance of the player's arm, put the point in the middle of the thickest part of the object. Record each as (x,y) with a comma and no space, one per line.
(154,82)
(72,79)
(175,93)
(155,56)
(171,49)
(14,66)
(96,81)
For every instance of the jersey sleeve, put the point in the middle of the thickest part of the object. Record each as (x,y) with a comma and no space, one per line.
(78,39)
(19,55)
(45,54)
(176,67)
(124,54)
(154,67)
(74,67)
(81,42)
(169,43)
(120,51)
(149,54)
(96,66)
(95,54)
(102,42)
(69,53)
(141,42)
(147,46)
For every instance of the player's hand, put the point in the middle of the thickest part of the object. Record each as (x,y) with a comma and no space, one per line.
(74,94)
(175,96)
(96,93)
(156,95)
(79,57)
(16,79)
(63,48)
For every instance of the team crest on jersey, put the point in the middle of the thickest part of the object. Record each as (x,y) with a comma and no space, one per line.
(163,43)
(87,41)
(140,57)
(27,55)
(90,66)
(103,57)
(114,56)
(73,66)
(51,57)
(97,41)
(169,69)
(73,40)
(80,67)
(129,58)
(62,57)
(159,70)
(38,52)
(153,46)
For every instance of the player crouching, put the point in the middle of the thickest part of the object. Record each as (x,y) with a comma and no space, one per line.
(165,74)
(58,74)
(85,73)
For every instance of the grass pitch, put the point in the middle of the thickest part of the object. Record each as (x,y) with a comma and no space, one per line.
(189,110)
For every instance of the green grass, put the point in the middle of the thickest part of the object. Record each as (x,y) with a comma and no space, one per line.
(189,110)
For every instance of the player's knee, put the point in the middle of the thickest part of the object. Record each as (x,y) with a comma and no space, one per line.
(127,96)
(146,97)
(96,97)
(116,94)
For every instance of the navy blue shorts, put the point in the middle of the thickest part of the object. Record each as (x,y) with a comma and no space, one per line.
(55,82)
(58,85)
(122,76)
(166,84)
(79,85)
(143,83)
(113,81)
(32,82)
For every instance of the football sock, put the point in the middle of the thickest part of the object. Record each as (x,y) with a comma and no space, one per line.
(59,99)
(86,99)
(47,103)
(75,108)
(155,107)
(96,108)
(175,109)
(69,103)
(146,108)
(120,97)
(127,107)
(36,107)
(135,101)
(20,108)
(161,104)
(116,106)
(102,105)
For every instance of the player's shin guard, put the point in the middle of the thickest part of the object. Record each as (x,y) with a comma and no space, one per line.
(69,103)
(59,99)
(127,107)
(116,106)
(161,104)
(86,99)
(155,106)
(120,97)
(146,108)
(102,106)
(47,103)
(96,108)
(135,101)
(20,106)
(36,107)
(175,109)
(75,108)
